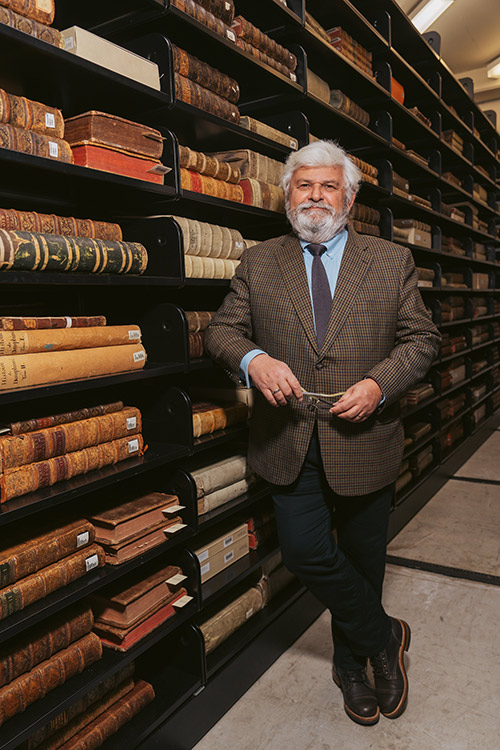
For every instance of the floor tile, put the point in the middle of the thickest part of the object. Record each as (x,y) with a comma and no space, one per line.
(484,464)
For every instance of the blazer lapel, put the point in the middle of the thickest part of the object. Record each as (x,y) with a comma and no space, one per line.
(290,257)
(355,262)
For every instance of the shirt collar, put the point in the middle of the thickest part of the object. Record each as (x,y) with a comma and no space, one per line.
(331,245)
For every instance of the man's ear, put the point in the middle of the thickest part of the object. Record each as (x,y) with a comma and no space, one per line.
(349,205)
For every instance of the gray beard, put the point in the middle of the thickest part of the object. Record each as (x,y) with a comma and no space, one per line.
(316,228)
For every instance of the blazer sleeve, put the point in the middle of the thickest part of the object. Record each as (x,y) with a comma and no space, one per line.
(417,340)
(229,336)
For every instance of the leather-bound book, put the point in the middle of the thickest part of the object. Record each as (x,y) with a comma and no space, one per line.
(39,10)
(227,621)
(26,479)
(220,474)
(200,238)
(364,227)
(255,126)
(104,129)
(338,100)
(365,213)
(29,26)
(109,722)
(263,195)
(28,448)
(32,341)
(318,86)
(123,520)
(124,604)
(205,75)
(39,423)
(80,708)
(141,541)
(199,183)
(223,9)
(107,159)
(31,221)
(208,165)
(21,594)
(266,59)
(209,268)
(26,555)
(31,251)
(32,324)
(80,722)
(122,639)
(30,115)
(27,370)
(34,144)
(254,36)
(196,345)
(30,687)
(219,497)
(198,321)
(198,12)
(192,93)
(253,165)
(209,417)
(24,652)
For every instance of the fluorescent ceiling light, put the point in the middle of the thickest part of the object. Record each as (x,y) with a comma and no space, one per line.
(429,12)
(494,68)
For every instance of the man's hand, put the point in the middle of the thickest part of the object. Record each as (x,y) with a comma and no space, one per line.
(274,379)
(358,402)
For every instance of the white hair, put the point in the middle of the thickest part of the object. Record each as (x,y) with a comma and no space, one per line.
(323,154)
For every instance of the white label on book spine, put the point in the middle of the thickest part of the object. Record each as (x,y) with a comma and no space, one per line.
(139,356)
(205,568)
(175,580)
(159,169)
(50,120)
(227,6)
(293,77)
(249,613)
(82,539)
(134,335)
(228,540)
(294,144)
(175,528)
(240,245)
(230,35)
(203,556)
(229,556)
(182,601)
(172,509)
(45,5)
(133,446)
(91,562)
(69,322)
(131,423)
(53,149)
(69,43)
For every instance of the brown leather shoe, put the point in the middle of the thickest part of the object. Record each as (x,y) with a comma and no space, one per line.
(391,681)
(360,700)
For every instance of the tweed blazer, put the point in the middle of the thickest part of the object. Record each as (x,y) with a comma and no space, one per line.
(378,328)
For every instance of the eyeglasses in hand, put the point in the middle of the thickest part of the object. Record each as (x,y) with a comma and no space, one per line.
(321,401)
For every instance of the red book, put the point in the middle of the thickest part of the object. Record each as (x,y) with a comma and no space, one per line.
(109,160)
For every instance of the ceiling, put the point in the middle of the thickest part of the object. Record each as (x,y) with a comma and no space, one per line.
(470,32)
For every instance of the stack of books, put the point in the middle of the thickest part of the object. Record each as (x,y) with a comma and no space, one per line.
(451,437)
(198,322)
(67,226)
(260,178)
(421,460)
(220,482)
(450,407)
(454,280)
(419,393)
(452,308)
(209,417)
(426,276)
(453,374)
(452,344)
(452,245)
(350,48)
(453,140)
(231,617)
(261,128)
(216,15)
(219,553)
(264,48)
(34,18)
(36,351)
(479,306)
(365,219)
(338,100)
(413,232)
(209,175)
(400,185)
(370,173)
(33,455)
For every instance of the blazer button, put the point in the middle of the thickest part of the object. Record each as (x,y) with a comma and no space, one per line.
(319,365)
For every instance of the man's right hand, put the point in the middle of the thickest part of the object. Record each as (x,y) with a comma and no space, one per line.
(274,379)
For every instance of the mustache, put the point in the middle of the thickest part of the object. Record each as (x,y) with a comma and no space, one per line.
(316,204)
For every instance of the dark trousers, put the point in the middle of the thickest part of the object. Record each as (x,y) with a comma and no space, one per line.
(345,574)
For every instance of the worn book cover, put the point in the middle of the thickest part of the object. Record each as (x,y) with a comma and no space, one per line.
(225,622)
(104,129)
(124,520)
(30,26)
(143,540)
(108,159)
(30,341)
(32,221)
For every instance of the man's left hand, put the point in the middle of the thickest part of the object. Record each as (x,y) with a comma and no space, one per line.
(358,402)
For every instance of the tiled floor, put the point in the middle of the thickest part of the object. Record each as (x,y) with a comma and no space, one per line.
(454,659)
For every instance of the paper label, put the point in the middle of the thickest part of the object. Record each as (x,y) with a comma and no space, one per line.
(248,613)
(229,556)
(172,509)
(228,540)
(230,35)
(45,5)
(239,244)
(293,77)
(91,562)
(139,356)
(175,528)
(134,335)
(203,556)
(53,149)
(50,120)
(69,322)
(131,423)
(175,580)
(183,601)
(227,6)
(82,539)
(159,169)
(69,43)
(294,144)
(205,568)
(133,446)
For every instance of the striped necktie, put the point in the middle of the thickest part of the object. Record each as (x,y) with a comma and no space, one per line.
(321,295)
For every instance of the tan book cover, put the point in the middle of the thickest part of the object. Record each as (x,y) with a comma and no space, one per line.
(142,541)
(124,520)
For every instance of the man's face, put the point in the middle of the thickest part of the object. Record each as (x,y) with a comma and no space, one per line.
(317,207)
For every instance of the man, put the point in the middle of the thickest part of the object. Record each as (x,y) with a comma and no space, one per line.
(329,311)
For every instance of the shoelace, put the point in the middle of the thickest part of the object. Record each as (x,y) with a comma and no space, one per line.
(380,665)
(354,675)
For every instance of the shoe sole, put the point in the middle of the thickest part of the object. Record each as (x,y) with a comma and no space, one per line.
(365,721)
(405,645)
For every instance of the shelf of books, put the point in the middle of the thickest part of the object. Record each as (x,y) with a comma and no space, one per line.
(141,151)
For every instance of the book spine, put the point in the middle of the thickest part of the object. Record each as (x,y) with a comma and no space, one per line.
(23,324)
(31,27)
(39,10)
(33,341)
(196,345)
(204,75)
(29,650)
(29,370)
(31,115)
(256,38)
(224,495)
(32,477)
(18,450)
(223,9)
(192,93)
(57,419)
(33,251)
(34,144)
(96,733)
(221,474)
(27,689)
(79,707)
(198,321)
(31,221)
(25,559)
(219,627)
(208,417)
(49,579)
